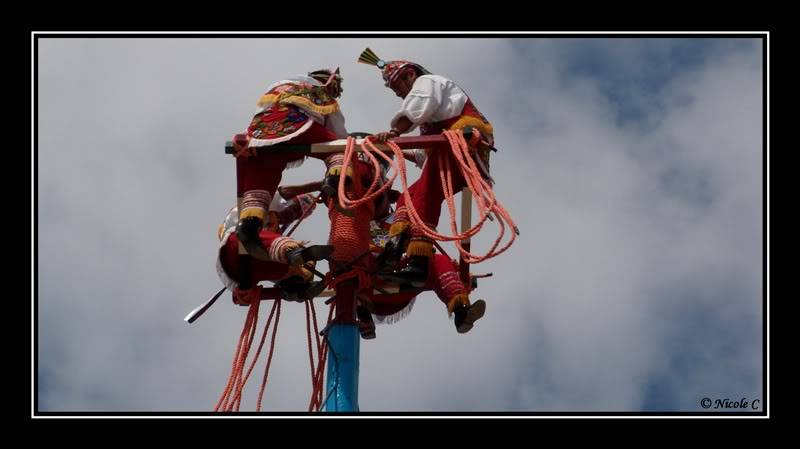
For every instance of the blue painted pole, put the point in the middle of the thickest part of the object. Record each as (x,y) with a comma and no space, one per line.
(341,388)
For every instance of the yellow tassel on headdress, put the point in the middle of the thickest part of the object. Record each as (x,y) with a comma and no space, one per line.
(369,57)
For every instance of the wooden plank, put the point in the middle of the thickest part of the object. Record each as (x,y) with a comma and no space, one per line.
(334,146)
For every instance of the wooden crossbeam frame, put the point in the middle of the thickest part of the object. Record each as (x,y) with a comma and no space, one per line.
(336,146)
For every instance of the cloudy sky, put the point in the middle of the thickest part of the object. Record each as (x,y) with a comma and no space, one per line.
(633,167)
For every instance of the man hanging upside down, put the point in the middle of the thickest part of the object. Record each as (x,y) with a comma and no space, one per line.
(288,263)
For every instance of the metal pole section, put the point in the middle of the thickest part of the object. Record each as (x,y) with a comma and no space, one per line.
(341,390)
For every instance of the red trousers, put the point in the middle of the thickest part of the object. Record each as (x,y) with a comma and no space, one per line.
(261,270)
(264,172)
(442,279)
(426,193)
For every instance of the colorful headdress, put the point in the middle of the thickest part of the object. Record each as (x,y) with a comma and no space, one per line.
(391,69)
(328,77)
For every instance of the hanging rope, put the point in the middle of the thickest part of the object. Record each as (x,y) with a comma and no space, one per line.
(482,193)
(232,395)
(241,349)
(231,398)
(322,351)
(275,306)
(271,351)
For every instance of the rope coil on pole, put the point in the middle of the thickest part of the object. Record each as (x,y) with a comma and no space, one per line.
(483,194)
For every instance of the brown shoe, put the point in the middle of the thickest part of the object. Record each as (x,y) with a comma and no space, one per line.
(302,255)
(367,330)
(415,273)
(366,326)
(466,316)
(247,232)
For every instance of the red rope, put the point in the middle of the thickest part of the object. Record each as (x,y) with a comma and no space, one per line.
(231,398)
(319,352)
(269,358)
(349,235)
(226,400)
(483,195)
(357,273)
(258,351)
(232,395)
(308,334)
(373,191)
(316,393)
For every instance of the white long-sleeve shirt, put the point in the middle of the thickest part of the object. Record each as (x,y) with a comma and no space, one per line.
(432,98)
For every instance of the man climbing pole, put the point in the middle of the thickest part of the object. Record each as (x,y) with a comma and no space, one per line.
(300,110)
(434,104)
